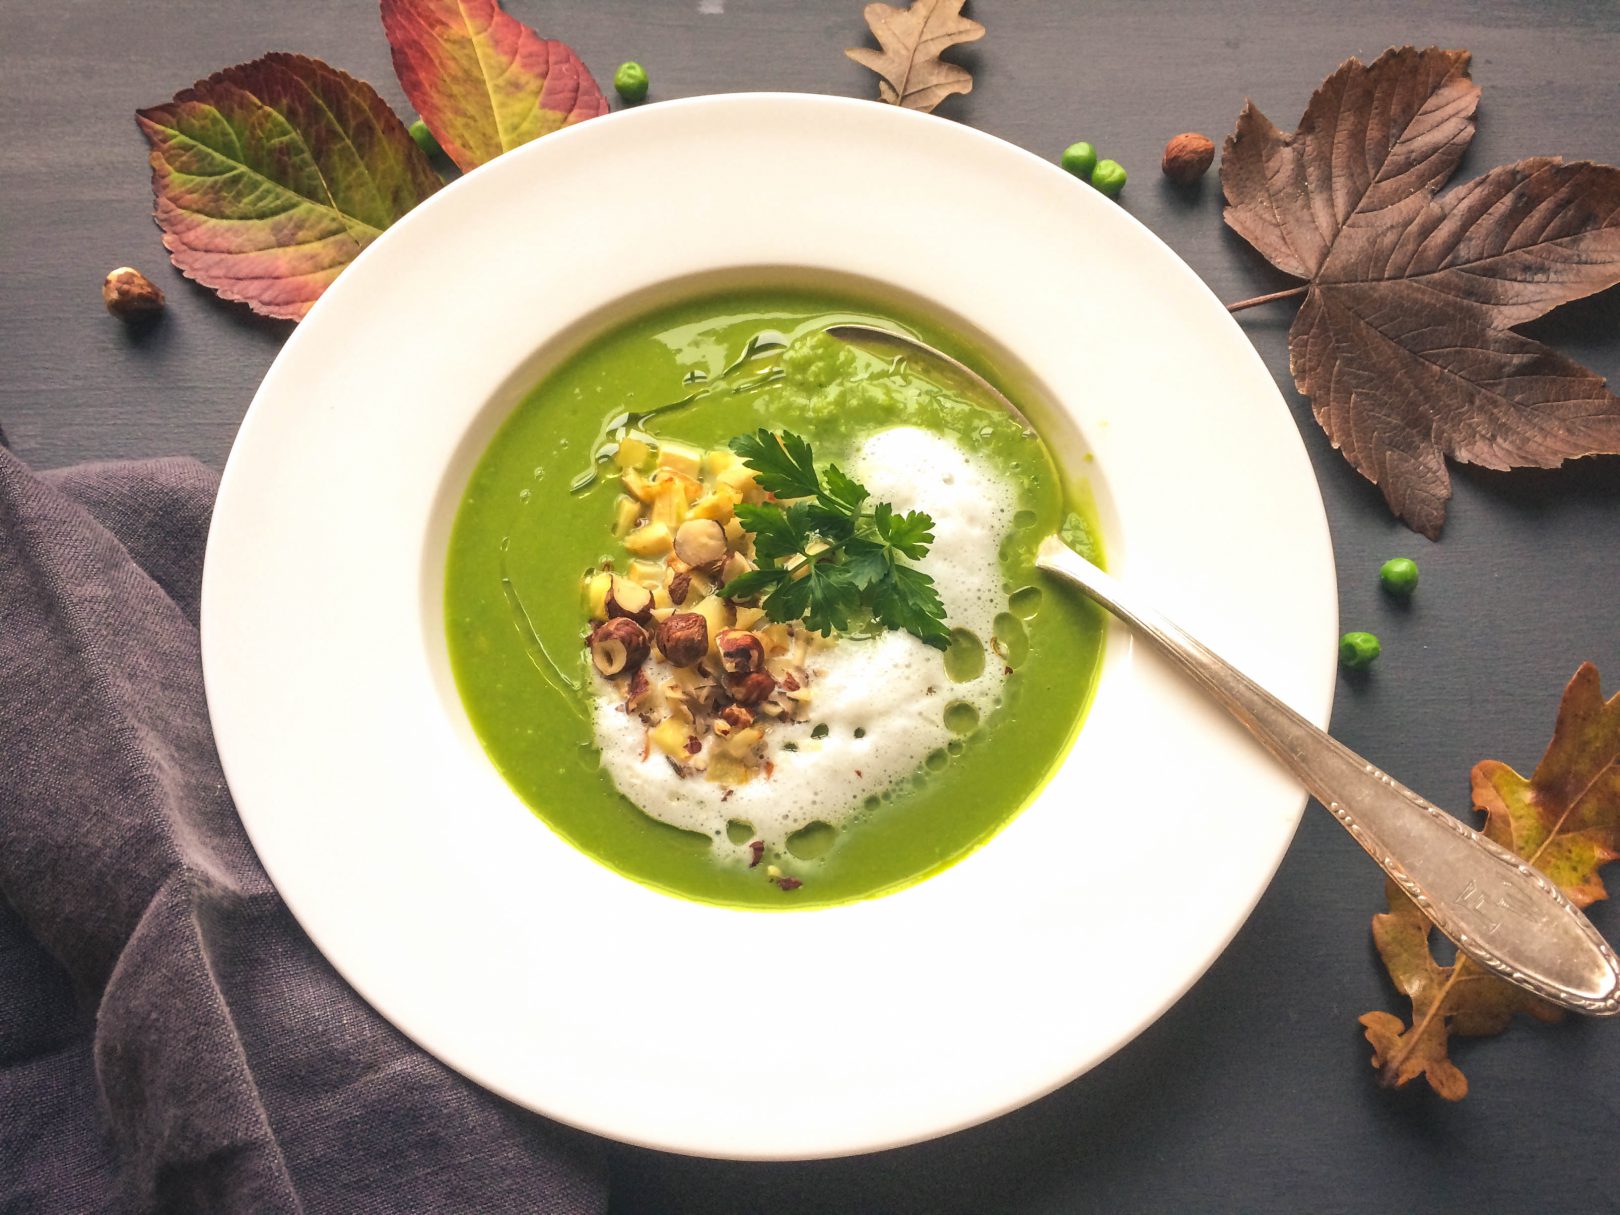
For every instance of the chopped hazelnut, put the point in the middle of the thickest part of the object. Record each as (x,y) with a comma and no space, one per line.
(618,645)
(740,651)
(701,543)
(684,638)
(628,599)
(680,586)
(636,696)
(651,539)
(737,717)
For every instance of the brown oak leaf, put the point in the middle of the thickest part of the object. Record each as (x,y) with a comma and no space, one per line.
(1404,341)
(911,72)
(1565,820)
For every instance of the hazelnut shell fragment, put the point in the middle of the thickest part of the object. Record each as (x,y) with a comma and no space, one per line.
(740,651)
(128,294)
(618,645)
(701,543)
(628,599)
(1187,157)
(683,638)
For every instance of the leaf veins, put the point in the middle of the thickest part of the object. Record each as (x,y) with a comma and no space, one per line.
(1405,340)
(484,82)
(911,72)
(1565,820)
(270,177)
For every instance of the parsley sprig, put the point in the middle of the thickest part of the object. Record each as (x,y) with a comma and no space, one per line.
(823,555)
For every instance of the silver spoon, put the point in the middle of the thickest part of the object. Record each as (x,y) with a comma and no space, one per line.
(1498,909)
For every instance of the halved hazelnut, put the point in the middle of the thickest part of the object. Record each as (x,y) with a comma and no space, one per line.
(740,652)
(750,689)
(618,645)
(684,638)
(628,599)
(701,543)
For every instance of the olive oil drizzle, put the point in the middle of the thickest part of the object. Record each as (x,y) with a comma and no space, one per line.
(763,344)
(565,687)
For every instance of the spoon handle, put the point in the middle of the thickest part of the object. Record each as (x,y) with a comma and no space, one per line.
(1498,909)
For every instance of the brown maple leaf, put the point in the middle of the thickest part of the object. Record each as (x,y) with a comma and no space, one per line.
(912,73)
(1404,342)
(1565,820)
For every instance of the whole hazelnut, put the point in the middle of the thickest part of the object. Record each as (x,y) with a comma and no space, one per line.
(618,645)
(1187,157)
(740,651)
(701,543)
(683,638)
(129,294)
(750,689)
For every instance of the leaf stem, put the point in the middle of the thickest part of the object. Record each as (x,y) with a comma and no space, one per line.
(1437,1008)
(1266,299)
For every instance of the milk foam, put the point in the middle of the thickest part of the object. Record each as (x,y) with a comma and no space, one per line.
(891,687)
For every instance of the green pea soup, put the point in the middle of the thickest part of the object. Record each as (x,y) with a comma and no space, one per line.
(537,515)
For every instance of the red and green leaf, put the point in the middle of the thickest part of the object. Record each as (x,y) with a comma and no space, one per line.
(270,177)
(484,82)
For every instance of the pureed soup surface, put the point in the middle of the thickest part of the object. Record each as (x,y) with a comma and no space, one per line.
(940,749)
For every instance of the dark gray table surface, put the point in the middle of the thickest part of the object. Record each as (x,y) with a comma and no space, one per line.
(1254,1093)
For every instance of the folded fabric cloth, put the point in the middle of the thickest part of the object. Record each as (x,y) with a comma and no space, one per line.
(170,1040)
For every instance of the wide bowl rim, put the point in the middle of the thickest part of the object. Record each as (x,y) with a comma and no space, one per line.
(249,470)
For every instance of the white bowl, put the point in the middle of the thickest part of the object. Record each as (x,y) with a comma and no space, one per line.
(541,974)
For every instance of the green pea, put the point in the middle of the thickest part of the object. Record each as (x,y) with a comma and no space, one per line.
(1399,575)
(424,138)
(1109,177)
(1079,159)
(631,81)
(1358,650)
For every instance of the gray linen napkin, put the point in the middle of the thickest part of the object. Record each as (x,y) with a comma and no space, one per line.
(169,1038)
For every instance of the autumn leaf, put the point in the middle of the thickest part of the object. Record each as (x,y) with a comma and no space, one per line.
(484,82)
(1565,820)
(911,72)
(1404,341)
(272,176)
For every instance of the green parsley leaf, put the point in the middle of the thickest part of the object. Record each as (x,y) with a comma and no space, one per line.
(777,532)
(910,533)
(833,596)
(830,525)
(823,556)
(867,561)
(753,582)
(843,494)
(907,600)
(783,462)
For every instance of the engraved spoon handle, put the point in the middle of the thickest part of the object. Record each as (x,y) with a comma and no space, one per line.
(1498,909)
